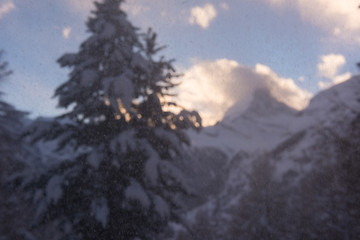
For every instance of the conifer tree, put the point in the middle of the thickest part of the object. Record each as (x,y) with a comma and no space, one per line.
(10,157)
(120,177)
(10,128)
(10,121)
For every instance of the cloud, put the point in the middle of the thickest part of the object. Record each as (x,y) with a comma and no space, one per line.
(336,31)
(66,32)
(340,18)
(202,16)
(6,8)
(213,87)
(283,89)
(329,68)
(330,65)
(336,80)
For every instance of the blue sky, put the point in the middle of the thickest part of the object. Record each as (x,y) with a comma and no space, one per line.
(296,47)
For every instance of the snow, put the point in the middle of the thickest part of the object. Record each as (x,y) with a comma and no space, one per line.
(26,235)
(123,87)
(84,64)
(326,107)
(161,206)
(108,30)
(100,210)
(94,159)
(151,166)
(136,192)
(118,56)
(167,135)
(263,125)
(266,123)
(168,168)
(295,143)
(38,195)
(124,142)
(53,189)
(68,59)
(120,87)
(98,26)
(88,77)
(139,61)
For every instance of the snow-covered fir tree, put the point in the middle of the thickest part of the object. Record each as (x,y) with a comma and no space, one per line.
(120,177)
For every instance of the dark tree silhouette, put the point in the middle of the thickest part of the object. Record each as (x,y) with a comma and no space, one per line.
(119,174)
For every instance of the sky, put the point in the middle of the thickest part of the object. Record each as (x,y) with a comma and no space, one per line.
(224,48)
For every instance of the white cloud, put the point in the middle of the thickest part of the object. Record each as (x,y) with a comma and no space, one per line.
(341,78)
(301,79)
(340,17)
(202,16)
(283,89)
(329,68)
(336,31)
(330,65)
(336,80)
(66,32)
(6,8)
(213,87)
(333,13)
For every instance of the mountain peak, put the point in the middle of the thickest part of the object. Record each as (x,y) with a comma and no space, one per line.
(263,104)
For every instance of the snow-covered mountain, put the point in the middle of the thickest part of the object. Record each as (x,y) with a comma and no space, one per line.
(330,117)
(286,171)
(269,125)
(263,125)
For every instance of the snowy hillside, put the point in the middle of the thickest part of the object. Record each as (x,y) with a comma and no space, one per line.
(328,118)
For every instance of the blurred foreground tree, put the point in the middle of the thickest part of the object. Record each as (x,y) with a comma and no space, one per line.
(115,174)
(10,156)
(10,121)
